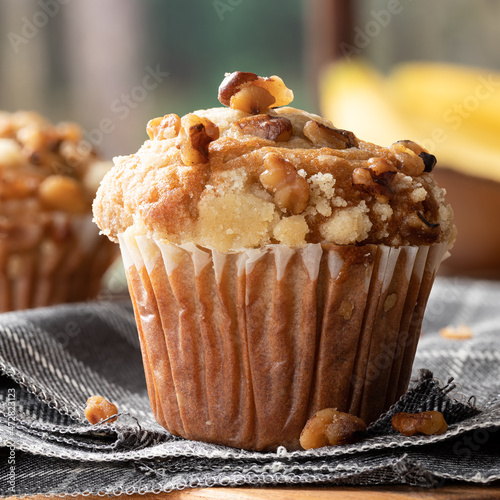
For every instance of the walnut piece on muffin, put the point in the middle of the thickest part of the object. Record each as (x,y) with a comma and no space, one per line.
(253,174)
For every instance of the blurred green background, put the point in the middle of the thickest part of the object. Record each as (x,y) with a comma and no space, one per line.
(86,60)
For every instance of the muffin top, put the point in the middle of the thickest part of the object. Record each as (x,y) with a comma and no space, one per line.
(45,167)
(259,172)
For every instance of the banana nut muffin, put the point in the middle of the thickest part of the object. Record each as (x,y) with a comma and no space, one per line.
(277,265)
(49,251)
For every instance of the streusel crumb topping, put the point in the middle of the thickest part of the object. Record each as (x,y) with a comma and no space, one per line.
(252,174)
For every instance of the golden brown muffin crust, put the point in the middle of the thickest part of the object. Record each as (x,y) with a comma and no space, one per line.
(278,176)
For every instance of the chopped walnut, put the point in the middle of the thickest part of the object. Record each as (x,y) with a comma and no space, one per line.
(429,161)
(277,88)
(58,192)
(31,137)
(461,332)
(253,94)
(232,83)
(380,167)
(376,178)
(291,191)
(69,131)
(408,162)
(18,187)
(11,154)
(166,127)
(252,100)
(413,146)
(273,128)
(323,136)
(426,422)
(330,427)
(99,409)
(194,137)
(361,177)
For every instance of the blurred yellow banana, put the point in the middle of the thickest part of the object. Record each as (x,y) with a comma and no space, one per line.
(453,111)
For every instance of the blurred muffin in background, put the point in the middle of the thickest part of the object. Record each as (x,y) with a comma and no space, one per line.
(50,251)
(454,112)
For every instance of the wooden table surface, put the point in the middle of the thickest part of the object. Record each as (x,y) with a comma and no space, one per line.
(451,492)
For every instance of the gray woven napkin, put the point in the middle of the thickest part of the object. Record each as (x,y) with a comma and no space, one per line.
(53,359)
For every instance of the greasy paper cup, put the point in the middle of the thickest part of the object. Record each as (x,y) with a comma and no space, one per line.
(60,261)
(240,349)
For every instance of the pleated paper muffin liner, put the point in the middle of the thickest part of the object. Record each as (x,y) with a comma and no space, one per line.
(62,260)
(240,349)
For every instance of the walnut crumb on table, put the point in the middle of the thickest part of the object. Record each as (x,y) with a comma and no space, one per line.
(425,422)
(330,427)
(461,332)
(99,409)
